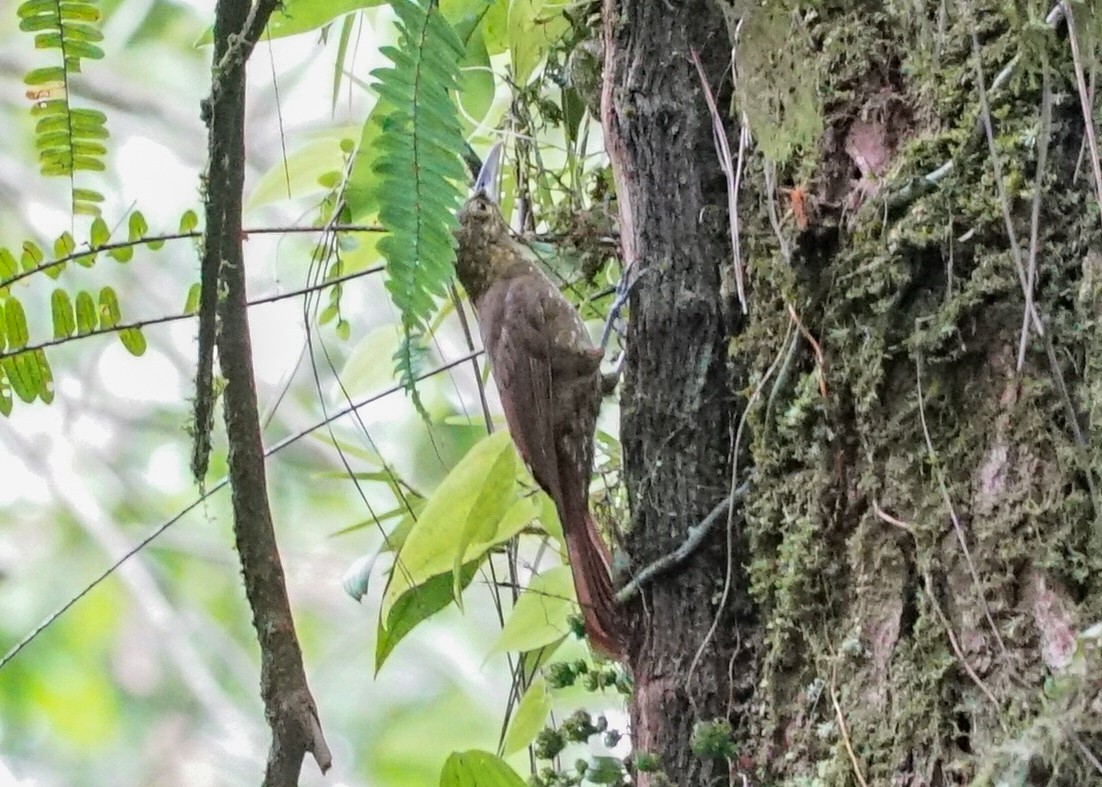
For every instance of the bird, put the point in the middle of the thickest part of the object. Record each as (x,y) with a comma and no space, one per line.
(548,376)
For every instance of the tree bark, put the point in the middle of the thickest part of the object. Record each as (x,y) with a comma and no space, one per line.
(288,703)
(679,408)
(902,596)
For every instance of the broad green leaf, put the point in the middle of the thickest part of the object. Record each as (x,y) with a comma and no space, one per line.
(549,518)
(302,16)
(415,605)
(475,768)
(476,80)
(529,718)
(540,615)
(302,168)
(490,504)
(440,532)
(534,27)
(495,27)
(61,309)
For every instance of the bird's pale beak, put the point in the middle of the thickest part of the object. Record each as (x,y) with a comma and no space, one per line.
(487,181)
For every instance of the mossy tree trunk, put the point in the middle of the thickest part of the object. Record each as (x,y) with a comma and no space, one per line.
(906,594)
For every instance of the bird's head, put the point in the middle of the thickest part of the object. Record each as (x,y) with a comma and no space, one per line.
(481,226)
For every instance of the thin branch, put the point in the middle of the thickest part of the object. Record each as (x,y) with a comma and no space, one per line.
(190,235)
(957,527)
(207,493)
(188,316)
(1035,213)
(843,729)
(1085,104)
(928,583)
(731,170)
(223,321)
(1000,186)
(696,535)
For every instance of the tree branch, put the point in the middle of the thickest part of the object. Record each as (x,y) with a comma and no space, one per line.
(288,704)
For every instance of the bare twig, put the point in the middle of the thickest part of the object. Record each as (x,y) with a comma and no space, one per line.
(843,729)
(996,166)
(1087,753)
(956,645)
(957,527)
(731,170)
(1035,213)
(697,534)
(1085,104)
(16,649)
(929,585)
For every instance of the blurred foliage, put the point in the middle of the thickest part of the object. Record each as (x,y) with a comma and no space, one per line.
(151,677)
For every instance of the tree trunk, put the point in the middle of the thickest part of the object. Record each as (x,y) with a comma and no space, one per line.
(679,404)
(902,596)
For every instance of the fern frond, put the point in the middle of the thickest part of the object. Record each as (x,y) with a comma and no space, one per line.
(418,168)
(69,139)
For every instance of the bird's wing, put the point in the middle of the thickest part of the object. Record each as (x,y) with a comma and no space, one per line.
(516,336)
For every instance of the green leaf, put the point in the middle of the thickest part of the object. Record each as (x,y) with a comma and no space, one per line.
(476,82)
(44,376)
(108,308)
(100,233)
(303,168)
(529,718)
(133,340)
(137,226)
(413,156)
(32,257)
(87,318)
(15,324)
(540,615)
(188,221)
(22,373)
(605,770)
(491,502)
(61,309)
(191,304)
(122,253)
(9,269)
(302,16)
(439,533)
(475,768)
(416,605)
(45,76)
(534,27)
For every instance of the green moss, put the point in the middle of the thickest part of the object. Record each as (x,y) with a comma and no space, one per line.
(896,292)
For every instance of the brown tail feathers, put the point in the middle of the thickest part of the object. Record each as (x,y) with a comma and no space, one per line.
(591,565)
